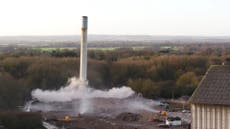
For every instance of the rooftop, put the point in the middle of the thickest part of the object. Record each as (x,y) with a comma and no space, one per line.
(214,88)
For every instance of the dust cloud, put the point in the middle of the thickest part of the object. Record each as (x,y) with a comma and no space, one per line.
(80,98)
(75,90)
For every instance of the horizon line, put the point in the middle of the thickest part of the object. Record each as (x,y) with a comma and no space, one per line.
(115,35)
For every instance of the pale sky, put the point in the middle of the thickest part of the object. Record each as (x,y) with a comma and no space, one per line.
(129,17)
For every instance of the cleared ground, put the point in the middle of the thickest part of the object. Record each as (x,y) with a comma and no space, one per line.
(107,113)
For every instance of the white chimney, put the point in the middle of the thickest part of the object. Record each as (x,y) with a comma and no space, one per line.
(83,59)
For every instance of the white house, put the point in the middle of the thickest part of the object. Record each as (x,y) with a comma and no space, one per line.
(210,102)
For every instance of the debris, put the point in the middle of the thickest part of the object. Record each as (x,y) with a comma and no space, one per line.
(129,116)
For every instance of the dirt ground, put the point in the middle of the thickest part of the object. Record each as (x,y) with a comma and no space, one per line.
(121,121)
(105,123)
(107,113)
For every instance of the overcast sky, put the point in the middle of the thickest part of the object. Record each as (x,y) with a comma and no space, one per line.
(131,17)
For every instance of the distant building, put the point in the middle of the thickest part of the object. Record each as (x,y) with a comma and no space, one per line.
(210,103)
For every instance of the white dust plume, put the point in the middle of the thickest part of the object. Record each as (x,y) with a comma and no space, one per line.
(77,97)
(75,90)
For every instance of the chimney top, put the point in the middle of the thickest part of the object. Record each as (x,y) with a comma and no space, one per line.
(84,22)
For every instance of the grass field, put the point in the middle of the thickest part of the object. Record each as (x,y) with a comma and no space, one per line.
(50,49)
(174,48)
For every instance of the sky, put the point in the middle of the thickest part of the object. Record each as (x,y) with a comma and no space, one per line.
(118,17)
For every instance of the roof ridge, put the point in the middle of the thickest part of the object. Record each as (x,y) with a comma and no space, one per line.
(206,73)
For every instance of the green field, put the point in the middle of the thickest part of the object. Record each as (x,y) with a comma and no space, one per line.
(174,48)
(50,49)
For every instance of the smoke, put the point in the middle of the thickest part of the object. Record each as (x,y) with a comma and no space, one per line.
(142,104)
(79,98)
(76,90)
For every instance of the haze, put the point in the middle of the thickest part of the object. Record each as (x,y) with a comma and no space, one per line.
(119,17)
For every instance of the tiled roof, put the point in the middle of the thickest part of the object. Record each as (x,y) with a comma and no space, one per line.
(214,88)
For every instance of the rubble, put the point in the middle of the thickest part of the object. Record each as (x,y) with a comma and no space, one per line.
(127,116)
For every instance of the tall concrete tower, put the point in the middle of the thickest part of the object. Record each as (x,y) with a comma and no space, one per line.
(83,60)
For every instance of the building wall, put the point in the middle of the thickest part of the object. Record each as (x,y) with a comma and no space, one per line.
(210,116)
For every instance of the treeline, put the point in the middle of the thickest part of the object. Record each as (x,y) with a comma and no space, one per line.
(153,74)
(20,120)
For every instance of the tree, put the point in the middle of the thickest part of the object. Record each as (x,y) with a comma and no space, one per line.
(188,79)
(11,92)
(147,87)
(186,83)
(21,120)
